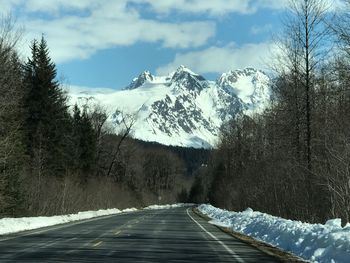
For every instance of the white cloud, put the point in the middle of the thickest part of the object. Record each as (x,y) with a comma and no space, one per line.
(261,29)
(74,89)
(222,7)
(6,6)
(76,37)
(221,59)
(214,8)
(78,29)
(55,6)
(217,7)
(272,4)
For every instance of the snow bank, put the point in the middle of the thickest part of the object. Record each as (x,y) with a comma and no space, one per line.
(11,225)
(316,242)
(155,207)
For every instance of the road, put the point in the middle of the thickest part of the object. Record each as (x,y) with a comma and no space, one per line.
(170,235)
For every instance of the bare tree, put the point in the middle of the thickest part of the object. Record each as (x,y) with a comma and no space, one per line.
(340,26)
(10,33)
(306,46)
(11,151)
(128,121)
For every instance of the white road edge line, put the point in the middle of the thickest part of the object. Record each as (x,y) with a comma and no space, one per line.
(216,239)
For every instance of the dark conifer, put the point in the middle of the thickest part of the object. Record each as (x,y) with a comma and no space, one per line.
(47,117)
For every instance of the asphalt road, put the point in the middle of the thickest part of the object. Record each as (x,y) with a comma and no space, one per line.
(172,235)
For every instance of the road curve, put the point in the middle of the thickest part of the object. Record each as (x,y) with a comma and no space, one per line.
(170,235)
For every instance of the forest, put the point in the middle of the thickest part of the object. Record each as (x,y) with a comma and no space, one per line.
(293,160)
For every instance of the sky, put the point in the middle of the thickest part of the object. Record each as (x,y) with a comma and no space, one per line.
(106,43)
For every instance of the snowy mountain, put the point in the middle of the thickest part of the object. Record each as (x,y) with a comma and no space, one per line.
(183,108)
(250,85)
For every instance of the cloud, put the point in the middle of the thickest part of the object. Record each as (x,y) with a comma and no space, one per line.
(77,29)
(221,59)
(6,5)
(75,37)
(217,7)
(76,90)
(261,29)
(80,28)
(221,7)
(57,5)
(214,8)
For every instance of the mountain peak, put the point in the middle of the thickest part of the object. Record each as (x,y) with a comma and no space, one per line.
(140,80)
(232,76)
(183,68)
(250,85)
(188,80)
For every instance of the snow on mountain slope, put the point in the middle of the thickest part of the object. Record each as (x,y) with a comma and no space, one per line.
(250,85)
(183,108)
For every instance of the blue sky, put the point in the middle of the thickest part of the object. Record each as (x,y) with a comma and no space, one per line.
(106,43)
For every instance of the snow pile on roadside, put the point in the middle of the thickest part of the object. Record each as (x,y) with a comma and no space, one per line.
(316,242)
(11,225)
(127,210)
(155,207)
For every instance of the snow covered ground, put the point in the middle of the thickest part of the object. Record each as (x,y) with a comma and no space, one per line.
(12,225)
(315,242)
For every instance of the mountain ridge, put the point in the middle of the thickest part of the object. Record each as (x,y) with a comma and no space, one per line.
(183,108)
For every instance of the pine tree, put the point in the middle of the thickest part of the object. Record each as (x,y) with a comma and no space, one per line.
(47,118)
(85,141)
(76,120)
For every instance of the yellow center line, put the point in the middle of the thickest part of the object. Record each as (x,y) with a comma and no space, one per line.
(97,244)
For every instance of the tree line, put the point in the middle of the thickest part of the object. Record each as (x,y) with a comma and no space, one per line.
(292,160)
(58,158)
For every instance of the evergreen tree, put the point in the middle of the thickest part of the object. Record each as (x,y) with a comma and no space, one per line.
(85,141)
(47,118)
(218,191)
(196,194)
